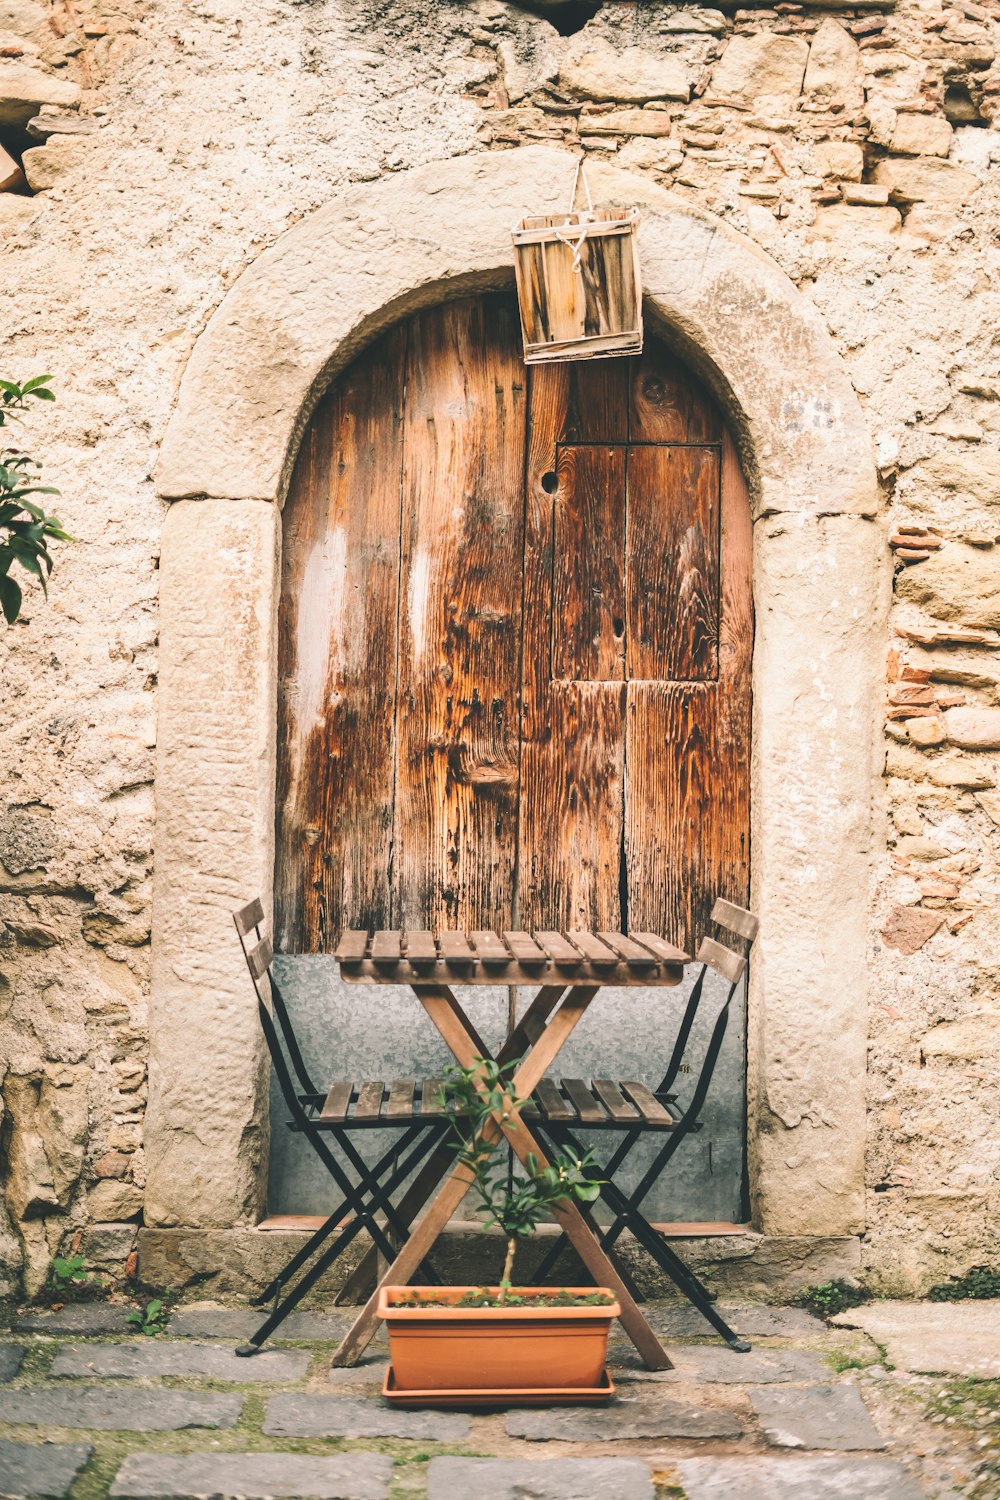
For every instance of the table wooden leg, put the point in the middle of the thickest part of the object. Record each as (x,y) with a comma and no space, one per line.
(527,1031)
(444,1011)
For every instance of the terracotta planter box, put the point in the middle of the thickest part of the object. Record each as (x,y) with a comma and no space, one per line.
(494,1348)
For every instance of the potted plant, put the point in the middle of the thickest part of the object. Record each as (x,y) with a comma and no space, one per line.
(524,1343)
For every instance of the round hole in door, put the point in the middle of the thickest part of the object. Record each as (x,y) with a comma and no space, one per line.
(550,481)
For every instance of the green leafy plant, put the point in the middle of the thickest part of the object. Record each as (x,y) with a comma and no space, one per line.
(25,529)
(832,1297)
(67,1272)
(151,1319)
(977,1283)
(473,1097)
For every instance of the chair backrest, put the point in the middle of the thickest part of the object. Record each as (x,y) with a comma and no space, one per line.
(715,956)
(736,918)
(249,918)
(259,956)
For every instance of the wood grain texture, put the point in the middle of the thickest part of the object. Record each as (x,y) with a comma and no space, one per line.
(337,659)
(588,584)
(460,618)
(667,404)
(672,563)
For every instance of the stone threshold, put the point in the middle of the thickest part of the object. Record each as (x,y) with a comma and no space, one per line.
(745,1264)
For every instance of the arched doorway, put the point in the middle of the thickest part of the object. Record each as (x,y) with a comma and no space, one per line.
(293,321)
(515,638)
(515,634)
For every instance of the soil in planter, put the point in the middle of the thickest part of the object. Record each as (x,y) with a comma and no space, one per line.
(481,1297)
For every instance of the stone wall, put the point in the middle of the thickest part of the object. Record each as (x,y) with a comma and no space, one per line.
(167,146)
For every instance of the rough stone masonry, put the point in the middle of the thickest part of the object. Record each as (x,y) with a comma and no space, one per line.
(151,152)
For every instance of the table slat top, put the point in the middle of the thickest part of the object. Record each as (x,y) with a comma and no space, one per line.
(455,957)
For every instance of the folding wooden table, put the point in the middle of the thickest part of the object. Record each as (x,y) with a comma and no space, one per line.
(569,969)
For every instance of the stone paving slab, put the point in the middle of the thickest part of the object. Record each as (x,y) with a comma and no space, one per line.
(204,1321)
(296,1415)
(648,1417)
(75,1320)
(933,1338)
(40,1469)
(367,1374)
(796,1479)
(11,1356)
(155,1357)
(751,1320)
(345,1476)
(821,1416)
(539,1479)
(711,1365)
(118,1408)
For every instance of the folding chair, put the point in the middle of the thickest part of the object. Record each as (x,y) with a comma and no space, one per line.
(318,1116)
(634,1110)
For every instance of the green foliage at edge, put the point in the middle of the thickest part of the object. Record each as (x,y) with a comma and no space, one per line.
(25,529)
(978,1283)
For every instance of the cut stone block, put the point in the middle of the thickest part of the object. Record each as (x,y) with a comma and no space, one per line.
(594,68)
(11,1356)
(761,64)
(80,1321)
(796,1479)
(539,1479)
(821,1416)
(117,1409)
(345,1476)
(23,90)
(152,1359)
(627,1418)
(926,179)
(202,1321)
(921,135)
(295,1415)
(40,1469)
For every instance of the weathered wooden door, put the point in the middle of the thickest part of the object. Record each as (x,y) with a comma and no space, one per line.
(515,637)
(515,644)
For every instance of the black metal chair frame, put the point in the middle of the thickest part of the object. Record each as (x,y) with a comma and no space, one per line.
(361,1202)
(627,1206)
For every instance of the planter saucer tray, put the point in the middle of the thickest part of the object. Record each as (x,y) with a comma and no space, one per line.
(598,1395)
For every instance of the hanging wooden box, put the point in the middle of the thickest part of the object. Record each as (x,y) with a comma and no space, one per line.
(589,313)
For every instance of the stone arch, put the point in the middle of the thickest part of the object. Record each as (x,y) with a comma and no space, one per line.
(291,322)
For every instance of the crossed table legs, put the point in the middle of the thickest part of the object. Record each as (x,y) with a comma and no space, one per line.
(466,1046)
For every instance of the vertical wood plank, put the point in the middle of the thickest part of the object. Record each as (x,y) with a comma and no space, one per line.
(572,809)
(672,563)
(674,840)
(594,406)
(460,618)
(687,799)
(337,655)
(572,733)
(588,607)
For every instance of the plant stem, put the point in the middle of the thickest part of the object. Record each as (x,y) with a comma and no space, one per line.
(508,1270)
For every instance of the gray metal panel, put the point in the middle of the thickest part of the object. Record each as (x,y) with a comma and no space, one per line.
(380,1031)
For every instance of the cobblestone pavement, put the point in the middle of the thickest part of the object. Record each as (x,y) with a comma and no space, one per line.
(89,1410)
